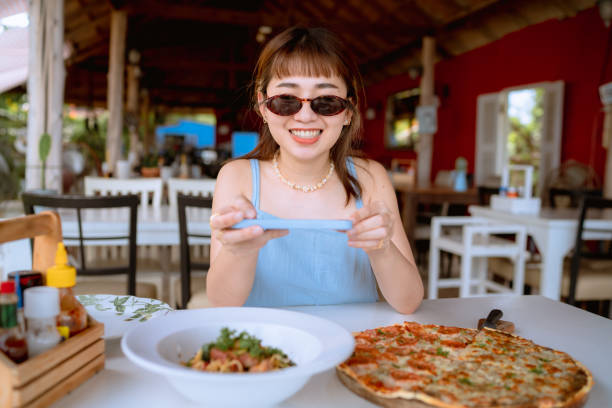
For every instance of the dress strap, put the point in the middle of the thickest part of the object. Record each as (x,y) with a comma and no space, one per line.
(255,178)
(351,168)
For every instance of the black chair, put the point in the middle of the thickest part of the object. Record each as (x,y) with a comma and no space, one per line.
(572,196)
(598,252)
(79,203)
(184,202)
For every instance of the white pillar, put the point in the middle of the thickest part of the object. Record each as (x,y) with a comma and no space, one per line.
(116,65)
(45,91)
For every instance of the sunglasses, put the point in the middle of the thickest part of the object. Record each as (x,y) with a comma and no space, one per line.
(287,105)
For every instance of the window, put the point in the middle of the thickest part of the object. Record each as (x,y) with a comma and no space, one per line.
(520,125)
(401,124)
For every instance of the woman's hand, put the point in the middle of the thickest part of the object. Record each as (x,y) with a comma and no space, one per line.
(372,227)
(243,240)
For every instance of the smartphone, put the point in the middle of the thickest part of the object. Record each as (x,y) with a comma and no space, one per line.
(288,223)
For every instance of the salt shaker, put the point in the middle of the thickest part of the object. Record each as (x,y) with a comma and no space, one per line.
(41,308)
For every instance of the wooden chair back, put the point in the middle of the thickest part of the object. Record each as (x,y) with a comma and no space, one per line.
(565,197)
(583,234)
(79,203)
(45,228)
(184,202)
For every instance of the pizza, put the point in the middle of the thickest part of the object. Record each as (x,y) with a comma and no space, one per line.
(417,365)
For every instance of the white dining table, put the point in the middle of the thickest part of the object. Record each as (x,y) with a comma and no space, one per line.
(154,227)
(585,336)
(554,233)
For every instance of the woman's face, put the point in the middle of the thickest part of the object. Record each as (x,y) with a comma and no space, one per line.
(306,134)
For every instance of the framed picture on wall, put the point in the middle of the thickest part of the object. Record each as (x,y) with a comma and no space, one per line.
(401,124)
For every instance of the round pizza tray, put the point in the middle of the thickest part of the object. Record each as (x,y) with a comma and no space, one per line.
(354,386)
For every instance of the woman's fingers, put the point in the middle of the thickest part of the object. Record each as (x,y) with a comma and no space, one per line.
(235,236)
(372,227)
(225,217)
(244,205)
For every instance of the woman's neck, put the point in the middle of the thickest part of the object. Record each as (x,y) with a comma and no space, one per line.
(309,171)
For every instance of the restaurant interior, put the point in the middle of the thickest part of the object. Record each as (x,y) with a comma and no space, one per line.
(492,119)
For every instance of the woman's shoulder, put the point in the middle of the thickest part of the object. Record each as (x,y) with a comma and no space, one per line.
(235,172)
(369,168)
(235,168)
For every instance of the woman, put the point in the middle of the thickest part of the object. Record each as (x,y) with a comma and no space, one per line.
(306,89)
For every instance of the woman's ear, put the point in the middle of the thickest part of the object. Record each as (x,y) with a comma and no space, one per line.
(348,117)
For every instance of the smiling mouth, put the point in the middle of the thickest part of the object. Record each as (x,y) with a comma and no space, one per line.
(305,134)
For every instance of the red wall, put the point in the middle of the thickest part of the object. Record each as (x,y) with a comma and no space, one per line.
(572,50)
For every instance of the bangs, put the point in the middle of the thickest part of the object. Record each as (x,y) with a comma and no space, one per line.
(306,62)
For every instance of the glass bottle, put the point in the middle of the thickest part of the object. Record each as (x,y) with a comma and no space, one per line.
(41,311)
(12,339)
(73,316)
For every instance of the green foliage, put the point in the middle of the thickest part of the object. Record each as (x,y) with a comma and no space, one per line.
(13,124)
(524,140)
(89,134)
(150,160)
(44,147)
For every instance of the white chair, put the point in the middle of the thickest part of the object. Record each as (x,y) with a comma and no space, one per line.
(475,241)
(198,187)
(144,187)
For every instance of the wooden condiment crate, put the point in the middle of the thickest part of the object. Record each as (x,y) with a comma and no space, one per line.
(42,380)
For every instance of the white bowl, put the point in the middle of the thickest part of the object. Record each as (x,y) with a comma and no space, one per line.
(161,344)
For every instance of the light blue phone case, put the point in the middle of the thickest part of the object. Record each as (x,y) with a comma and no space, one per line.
(285,223)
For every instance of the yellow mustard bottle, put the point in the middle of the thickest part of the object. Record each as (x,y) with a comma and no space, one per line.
(73,316)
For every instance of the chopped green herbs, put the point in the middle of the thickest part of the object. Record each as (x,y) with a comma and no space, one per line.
(537,370)
(545,360)
(465,381)
(228,339)
(441,352)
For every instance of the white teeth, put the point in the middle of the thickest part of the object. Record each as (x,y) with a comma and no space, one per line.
(306,134)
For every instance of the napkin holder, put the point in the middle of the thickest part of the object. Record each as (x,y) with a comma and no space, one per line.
(45,378)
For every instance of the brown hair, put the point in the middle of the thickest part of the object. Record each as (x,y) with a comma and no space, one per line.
(312,52)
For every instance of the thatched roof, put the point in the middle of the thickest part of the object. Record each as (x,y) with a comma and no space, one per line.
(201,53)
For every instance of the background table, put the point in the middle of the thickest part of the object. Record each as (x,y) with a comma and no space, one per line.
(411,196)
(554,233)
(585,336)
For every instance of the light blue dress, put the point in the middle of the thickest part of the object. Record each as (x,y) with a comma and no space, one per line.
(309,267)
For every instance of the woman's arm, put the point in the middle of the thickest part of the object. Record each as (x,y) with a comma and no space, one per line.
(233,253)
(378,230)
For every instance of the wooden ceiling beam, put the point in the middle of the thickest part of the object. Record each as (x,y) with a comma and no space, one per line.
(406,51)
(158,8)
(98,48)
(166,10)
(186,63)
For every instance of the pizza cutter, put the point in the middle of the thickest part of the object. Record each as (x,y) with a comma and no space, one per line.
(493,322)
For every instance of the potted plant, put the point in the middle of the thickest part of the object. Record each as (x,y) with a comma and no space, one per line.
(150,166)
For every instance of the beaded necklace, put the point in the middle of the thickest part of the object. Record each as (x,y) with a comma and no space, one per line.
(303,188)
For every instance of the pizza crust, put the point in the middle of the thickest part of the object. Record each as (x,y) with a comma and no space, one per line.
(377,398)
(409,399)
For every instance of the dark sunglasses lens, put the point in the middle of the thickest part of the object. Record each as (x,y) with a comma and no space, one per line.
(285,105)
(327,105)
